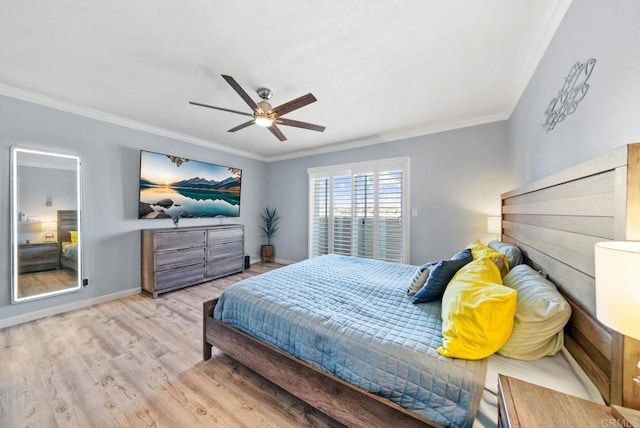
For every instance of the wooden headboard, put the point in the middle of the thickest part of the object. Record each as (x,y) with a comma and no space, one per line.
(67,221)
(556,221)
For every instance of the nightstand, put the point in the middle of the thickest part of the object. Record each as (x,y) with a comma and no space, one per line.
(523,404)
(36,257)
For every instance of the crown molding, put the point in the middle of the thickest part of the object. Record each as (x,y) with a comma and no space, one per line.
(68,107)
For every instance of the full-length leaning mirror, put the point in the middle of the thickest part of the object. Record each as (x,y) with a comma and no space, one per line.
(46,237)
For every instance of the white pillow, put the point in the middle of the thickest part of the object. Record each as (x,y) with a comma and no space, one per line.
(541,315)
(420,277)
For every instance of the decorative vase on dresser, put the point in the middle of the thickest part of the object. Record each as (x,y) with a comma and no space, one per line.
(174,258)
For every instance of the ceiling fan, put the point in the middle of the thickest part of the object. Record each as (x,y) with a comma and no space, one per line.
(266,116)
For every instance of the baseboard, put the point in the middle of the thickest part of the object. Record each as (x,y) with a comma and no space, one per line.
(281,261)
(253,261)
(32,316)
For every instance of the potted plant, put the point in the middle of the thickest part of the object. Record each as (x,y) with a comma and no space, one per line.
(270,219)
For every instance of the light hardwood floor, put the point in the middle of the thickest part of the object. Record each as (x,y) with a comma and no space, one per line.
(137,362)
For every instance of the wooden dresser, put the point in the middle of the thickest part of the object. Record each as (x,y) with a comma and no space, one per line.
(174,258)
(38,257)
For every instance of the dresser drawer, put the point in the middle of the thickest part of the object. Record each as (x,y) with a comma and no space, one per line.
(179,258)
(182,239)
(224,267)
(180,277)
(221,251)
(38,251)
(219,236)
(38,257)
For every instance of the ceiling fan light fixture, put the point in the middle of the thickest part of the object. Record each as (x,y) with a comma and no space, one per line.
(264,120)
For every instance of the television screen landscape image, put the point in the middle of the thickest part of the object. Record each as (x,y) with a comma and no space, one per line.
(176,187)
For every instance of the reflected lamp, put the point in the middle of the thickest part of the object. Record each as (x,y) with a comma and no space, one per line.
(48,227)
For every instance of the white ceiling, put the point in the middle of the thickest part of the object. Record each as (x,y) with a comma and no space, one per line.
(381,70)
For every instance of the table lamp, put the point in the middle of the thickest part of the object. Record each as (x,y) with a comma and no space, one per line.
(494,226)
(618,287)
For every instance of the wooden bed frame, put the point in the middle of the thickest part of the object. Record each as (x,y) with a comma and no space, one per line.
(67,221)
(555,221)
(344,402)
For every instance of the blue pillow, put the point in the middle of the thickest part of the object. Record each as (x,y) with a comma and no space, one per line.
(440,276)
(513,253)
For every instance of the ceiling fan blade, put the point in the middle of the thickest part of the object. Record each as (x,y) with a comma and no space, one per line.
(220,108)
(294,104)
(298,124)
(242,126)
(276,131)
(236,87)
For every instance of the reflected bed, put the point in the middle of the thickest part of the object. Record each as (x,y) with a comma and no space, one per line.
(68,224)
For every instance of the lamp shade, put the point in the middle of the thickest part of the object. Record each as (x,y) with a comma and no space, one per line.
(48,226)
(494,225)
(618,286)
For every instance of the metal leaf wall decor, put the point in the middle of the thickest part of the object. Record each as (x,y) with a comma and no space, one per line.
(572,92)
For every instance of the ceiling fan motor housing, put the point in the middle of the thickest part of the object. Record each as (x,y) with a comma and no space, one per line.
(264,106)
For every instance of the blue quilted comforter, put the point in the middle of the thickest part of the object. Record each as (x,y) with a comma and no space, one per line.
(70,251)
(352,318)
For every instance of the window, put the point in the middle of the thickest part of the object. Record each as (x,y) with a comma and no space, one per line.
(360,210)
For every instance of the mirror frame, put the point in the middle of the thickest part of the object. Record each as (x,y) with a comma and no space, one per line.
(15,222)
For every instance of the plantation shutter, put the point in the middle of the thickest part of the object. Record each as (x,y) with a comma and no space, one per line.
(359,211)
(364,208)
(390,214)
(320,217)
(342,215)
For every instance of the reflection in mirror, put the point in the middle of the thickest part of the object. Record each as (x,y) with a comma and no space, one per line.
(45,224)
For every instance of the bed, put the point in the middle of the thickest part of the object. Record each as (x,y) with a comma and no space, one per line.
(555,221)
(68,225)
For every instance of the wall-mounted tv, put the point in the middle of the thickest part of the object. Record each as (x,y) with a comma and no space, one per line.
(177,187)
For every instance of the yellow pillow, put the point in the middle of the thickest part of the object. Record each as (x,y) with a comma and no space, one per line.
(74,236)
(479,251)
(477,312)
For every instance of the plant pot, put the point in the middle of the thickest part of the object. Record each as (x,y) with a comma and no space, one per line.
(267,253)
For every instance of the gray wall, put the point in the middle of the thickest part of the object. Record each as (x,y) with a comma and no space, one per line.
(456,181)
(608,117)
(110,156)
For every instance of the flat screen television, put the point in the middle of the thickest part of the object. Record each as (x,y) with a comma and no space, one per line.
(177,187)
